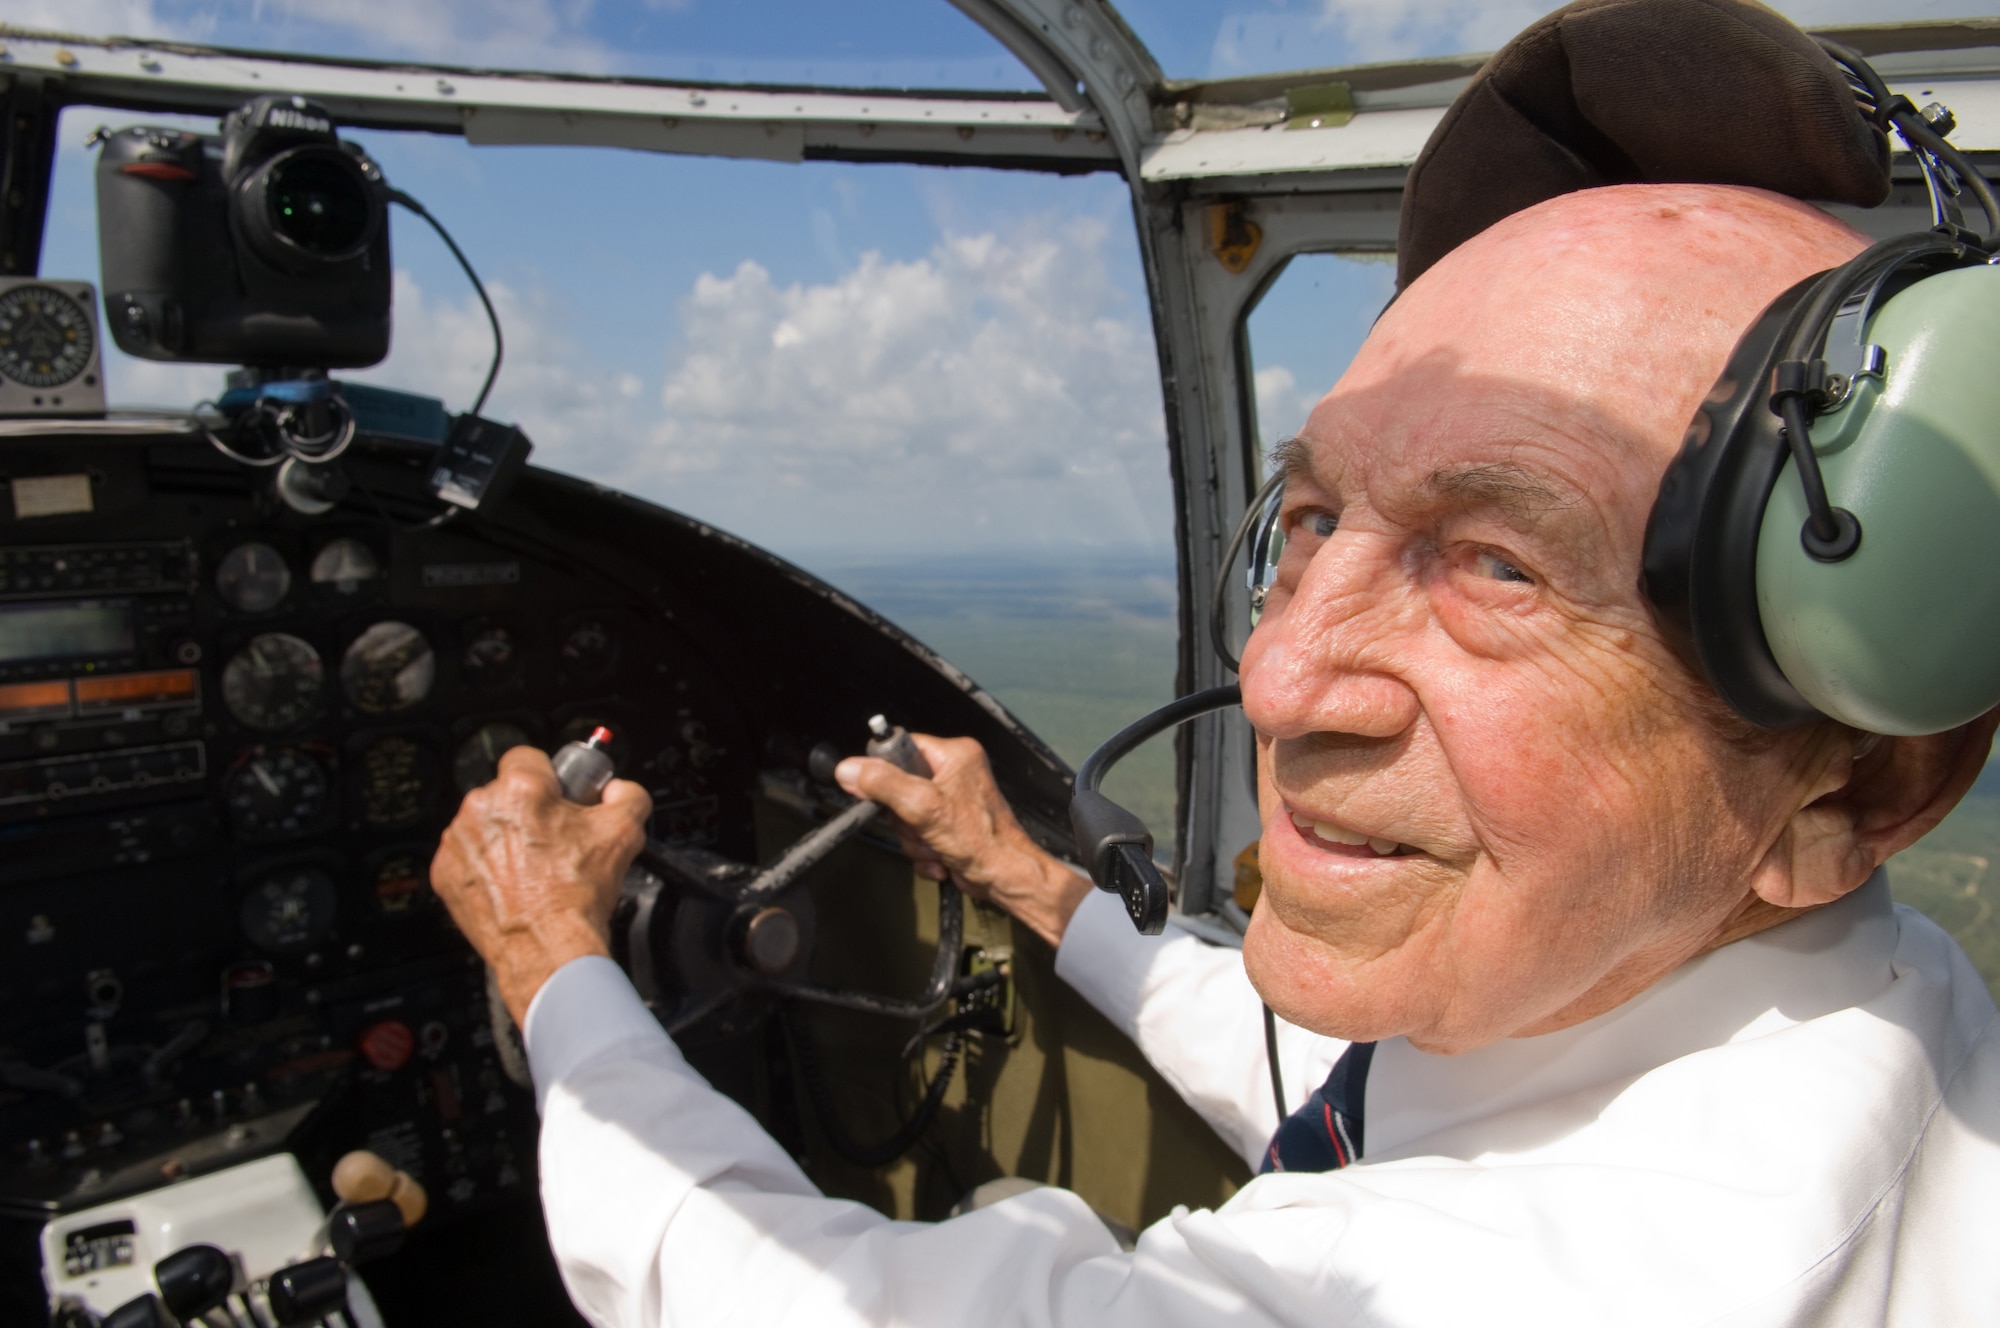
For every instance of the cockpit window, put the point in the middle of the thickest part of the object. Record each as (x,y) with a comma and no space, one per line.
(937,389)
(854,43)
(1237,38)
(1306,328)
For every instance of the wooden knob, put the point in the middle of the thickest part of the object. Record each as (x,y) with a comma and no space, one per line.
(409,1197)
(363,1177)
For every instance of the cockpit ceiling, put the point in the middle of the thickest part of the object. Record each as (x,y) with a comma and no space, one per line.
(1105,103)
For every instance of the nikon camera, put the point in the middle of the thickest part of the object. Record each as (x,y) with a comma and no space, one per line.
(267,245)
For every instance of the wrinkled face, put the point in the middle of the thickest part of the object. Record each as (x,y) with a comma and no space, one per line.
(1490,792)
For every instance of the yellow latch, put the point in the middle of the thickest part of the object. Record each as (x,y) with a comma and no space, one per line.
(1319,106)
(1232,237)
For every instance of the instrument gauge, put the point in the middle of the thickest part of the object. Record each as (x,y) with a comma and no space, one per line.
(401,883)
(492,659)
(589,649)
(395,776)
(289,910)
(253,578)
(273,683)
(389,668)
(345,567)
(276,793)
(45,336)
(478,758)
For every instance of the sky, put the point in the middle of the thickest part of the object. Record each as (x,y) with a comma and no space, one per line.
(825,358)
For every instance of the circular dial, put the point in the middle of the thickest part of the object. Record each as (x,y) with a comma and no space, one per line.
(587,649)
(478,758)
(395,778)
(400,882)
(345,567)
(289,910)
(273,683)
(253,578)
(278,792)
(492,658)
(45,338)
(389,668)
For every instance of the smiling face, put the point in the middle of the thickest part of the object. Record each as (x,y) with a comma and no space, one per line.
(1494,801)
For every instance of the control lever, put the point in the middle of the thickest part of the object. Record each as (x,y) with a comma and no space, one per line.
(359,1232)
(307,1292)
(584,768)
(891,744)
(362,1177)
(191,1282)
(766,934)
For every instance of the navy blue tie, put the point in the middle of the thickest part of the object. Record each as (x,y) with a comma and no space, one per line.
(1325,1133)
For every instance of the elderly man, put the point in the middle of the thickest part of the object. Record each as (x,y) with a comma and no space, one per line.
(1651,1044)
(1593,997)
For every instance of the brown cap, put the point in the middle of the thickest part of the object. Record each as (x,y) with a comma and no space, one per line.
(1640,91)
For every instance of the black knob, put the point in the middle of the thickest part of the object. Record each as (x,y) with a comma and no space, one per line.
(144,1312)
(364,1231)
(195,1280)
(307,1292)
(770,941)
(820,762)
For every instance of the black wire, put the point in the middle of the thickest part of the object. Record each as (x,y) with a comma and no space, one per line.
(837,1137)
(1819,511)
(1218,595)
(1887,108)
(1178,711)
(399,197)
(1271,1054)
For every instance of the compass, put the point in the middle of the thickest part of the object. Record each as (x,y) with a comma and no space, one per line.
(49,349)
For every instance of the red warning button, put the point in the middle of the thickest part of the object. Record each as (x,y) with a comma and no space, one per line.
(388,1045)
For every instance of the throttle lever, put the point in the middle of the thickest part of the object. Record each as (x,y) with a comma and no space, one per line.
(888,743)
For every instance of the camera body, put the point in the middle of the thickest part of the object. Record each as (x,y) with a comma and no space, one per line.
(266,245)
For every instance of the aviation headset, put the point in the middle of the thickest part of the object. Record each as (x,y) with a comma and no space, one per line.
(1827,542)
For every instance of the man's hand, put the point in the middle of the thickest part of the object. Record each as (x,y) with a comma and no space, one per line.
(531,878)
(956,824)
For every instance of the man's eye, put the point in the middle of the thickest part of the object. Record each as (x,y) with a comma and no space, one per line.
(1492,564)
(1321,524)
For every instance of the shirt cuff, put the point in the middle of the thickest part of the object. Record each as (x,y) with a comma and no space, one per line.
(1105,958)
(586,1007)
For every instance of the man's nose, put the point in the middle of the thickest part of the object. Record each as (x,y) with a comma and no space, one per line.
(1331,657)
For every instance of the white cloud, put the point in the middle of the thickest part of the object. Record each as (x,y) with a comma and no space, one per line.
(1340,32)
(520,33)
(999,390)
(1281,406)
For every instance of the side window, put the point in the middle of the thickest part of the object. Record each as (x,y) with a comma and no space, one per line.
(1305,330)
(935,388)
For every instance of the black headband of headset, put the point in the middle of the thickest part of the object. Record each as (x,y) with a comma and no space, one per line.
(1640,92)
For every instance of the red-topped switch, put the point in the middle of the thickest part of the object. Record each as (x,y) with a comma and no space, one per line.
(388,1045)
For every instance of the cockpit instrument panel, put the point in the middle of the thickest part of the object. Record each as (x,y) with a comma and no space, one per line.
(231,734)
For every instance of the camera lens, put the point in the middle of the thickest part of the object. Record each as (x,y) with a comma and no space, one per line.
(317,200)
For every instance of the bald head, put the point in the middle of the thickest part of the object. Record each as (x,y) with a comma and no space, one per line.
(1625,300)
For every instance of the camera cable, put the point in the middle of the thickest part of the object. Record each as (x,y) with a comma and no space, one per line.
(410,204)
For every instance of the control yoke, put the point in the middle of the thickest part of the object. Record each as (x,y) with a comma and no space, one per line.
(678,902)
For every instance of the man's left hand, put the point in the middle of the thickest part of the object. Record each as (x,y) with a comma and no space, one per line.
(531,878)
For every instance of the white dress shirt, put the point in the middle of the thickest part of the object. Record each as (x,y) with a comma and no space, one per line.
(1800,1128)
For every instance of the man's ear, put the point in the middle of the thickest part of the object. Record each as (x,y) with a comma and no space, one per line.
(1896,791)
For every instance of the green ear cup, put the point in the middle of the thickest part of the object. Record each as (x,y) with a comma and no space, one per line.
(1903,637)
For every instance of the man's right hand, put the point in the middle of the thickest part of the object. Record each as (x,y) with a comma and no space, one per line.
(956,824)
